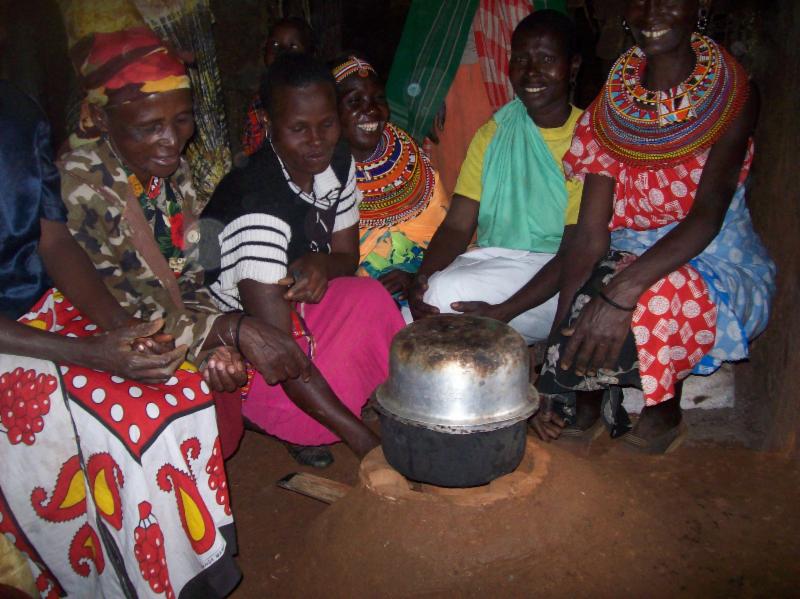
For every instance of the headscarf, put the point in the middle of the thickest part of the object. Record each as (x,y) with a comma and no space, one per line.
(124,66)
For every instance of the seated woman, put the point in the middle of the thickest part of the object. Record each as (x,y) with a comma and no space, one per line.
(132,208)
(290,34)
(670,278)
(403,198)
(282,236)
(512,189)
(109,486)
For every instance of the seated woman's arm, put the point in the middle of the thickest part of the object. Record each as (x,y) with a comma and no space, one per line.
(450,241)
(267,303)
(601,328)
(75,276)
(110,352)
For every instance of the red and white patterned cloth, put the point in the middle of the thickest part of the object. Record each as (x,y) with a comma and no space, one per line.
(111,487)
(674,323)
(494,23)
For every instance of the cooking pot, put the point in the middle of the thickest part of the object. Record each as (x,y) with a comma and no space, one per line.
(454,408)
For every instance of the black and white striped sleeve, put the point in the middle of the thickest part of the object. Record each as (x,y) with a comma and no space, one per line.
(253,246)
(349,200)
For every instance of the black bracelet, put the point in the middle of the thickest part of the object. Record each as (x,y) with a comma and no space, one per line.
(238,329)
(611,302)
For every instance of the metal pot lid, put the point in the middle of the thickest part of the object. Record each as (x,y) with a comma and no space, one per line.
(456,371)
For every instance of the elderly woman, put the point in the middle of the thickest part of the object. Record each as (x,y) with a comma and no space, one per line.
(403,198)
(109,486)
(511,188)
(282,232)
(132,208)
(670,278)
(290,34)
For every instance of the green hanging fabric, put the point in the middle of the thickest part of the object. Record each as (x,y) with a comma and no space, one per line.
(426,60)
(552,4)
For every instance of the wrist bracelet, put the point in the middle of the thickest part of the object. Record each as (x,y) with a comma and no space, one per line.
(611,302)
(238,330)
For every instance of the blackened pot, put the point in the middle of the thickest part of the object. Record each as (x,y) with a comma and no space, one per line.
(455,404)
(451,459)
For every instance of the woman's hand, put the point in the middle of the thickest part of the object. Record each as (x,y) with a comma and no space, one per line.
(308,279)
(160,343)
(225,369)
(397,281)
(416,293)
(484,309)
(114,352)
(546,422)
(596,338)
(272,352)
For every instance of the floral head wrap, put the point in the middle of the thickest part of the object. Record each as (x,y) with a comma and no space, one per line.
(124,66)
(353,65)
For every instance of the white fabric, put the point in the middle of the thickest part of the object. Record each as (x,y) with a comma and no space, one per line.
(328,190)
(493,275)
(254,247)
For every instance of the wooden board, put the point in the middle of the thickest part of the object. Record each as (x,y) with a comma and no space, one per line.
(316,487)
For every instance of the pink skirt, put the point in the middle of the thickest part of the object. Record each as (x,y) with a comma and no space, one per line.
(353,327)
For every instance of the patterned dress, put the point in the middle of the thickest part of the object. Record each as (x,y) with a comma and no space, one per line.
(696,317)
(110,487)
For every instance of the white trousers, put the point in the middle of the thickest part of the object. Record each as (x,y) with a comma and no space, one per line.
(493,275)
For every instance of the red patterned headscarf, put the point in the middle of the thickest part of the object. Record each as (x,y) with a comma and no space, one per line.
(127,65)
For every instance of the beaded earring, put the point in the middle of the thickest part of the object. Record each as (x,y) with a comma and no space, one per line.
(702,20)
(625,27)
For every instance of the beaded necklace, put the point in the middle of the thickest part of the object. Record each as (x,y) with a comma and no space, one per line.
(396,181)
(661,128)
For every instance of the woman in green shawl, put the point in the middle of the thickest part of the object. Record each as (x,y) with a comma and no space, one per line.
(511,188)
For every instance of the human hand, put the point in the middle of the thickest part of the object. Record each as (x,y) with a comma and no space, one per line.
(160,343)
(596,338)
(546,422)
(114,352)
(416,293)
(484,309)
(272,352)
(309,279)
(225,369)
(397,281)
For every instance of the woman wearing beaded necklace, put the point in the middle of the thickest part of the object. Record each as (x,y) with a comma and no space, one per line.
(671,278)
(403,198)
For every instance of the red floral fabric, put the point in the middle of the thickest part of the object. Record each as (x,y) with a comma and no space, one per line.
(674,323)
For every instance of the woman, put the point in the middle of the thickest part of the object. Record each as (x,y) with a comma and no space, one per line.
(109,486)
(290,34)
(282,232)
(671,278)
(132,207)
(403,198)
(512,189)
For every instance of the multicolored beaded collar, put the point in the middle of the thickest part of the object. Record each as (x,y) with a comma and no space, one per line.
(396,182)
(661,128)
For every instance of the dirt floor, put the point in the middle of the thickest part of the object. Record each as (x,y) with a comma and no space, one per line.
(714,519)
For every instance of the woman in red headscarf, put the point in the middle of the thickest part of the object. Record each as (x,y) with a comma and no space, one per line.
(111,475)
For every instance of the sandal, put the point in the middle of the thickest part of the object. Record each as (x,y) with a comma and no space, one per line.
(581,437)
(315,456)
(666,442)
